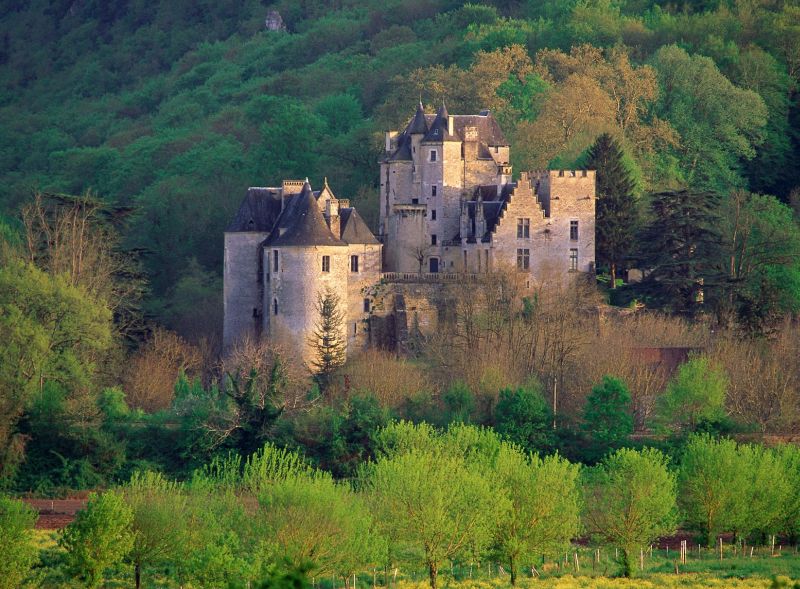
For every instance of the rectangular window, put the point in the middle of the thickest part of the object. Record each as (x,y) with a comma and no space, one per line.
(523,258)
(573,230)
(433,239)
(433,191)
(366,305)
(326,263)
(353,263)
(523,228)
(274,260)
(573,259)
(414,201)
(433,214)
(433,155)
(274,306)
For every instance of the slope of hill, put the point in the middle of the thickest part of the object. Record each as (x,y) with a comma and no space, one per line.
(175,107)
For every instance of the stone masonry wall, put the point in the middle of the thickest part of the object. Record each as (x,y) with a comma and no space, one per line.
(566,198)
(241,291)
(358,286)
(295,287)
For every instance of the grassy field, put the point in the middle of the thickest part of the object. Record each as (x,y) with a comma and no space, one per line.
(659,581)
(703,569)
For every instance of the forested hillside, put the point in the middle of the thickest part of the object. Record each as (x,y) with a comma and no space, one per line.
(172,109)
(130,130)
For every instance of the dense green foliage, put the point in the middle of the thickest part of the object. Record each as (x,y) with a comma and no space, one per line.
(99,538)
(607,415)
(16,542)
(617,212)
(630,502)
(175,108)
(167,111)
(444,503)
(695,394)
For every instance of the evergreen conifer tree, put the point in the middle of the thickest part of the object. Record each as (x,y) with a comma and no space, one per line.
(328,338)
(681,250)
(617,213)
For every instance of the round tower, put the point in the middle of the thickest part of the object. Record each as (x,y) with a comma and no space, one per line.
(305,261)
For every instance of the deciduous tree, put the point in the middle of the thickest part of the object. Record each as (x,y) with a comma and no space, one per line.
(545,506)
(159,521)
(19,553)
(713,486)
(99,537)
(431,501)
(695,394)
(630,501)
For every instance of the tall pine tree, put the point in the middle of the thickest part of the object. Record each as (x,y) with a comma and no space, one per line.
(681,251)
(328,339)
(617,215)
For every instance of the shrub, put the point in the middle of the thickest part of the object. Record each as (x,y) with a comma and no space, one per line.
(98,538)
(17,550)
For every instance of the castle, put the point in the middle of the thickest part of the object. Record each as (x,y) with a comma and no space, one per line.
(448,207)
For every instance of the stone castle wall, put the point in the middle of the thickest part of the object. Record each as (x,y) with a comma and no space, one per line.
(358,289)
(242,301)
(295,288)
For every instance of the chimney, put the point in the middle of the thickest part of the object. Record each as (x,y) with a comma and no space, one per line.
(470,143)
(332,217)
(450,125)
(391,141)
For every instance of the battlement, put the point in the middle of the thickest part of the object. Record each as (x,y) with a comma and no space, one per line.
(292,186)
(588,174)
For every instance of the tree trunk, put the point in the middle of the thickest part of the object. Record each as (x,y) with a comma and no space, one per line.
(513,568)
(137,574)
(613,276)
(433,571)
(625,561)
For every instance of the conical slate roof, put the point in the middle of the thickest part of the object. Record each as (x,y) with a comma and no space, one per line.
(418,125)
(438,129)
(354,229)
(302,223)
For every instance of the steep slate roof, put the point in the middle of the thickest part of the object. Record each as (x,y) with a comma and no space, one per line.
(435,127)
(489,131)
(438,128)
(492,206)
(302,223)
(354,229)
(259,210)
(403,150)
(418,125)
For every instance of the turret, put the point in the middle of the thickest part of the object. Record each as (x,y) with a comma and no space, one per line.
(417,129)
